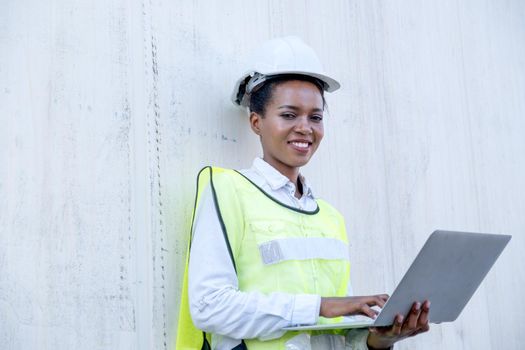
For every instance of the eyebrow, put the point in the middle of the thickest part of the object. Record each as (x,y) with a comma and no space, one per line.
(295,108)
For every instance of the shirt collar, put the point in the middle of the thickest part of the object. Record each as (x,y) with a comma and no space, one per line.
(275,179)
(307,190)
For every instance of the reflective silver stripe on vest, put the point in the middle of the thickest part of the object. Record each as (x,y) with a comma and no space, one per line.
(278,250)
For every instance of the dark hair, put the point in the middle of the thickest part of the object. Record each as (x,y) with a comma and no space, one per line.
(260,98)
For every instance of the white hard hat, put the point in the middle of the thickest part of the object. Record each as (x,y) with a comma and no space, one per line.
(281,56)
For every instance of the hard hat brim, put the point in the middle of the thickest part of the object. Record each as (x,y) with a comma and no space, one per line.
(329,84)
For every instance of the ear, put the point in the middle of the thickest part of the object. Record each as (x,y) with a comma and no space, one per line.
(255,121)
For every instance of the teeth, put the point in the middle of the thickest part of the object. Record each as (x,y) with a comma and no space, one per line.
(300,144)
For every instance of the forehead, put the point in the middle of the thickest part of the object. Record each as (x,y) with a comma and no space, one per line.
(298,93)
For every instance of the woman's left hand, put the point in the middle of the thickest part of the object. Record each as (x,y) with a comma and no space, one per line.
(415,323)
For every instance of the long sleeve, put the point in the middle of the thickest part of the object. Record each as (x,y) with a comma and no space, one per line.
(217,305)
(356,339)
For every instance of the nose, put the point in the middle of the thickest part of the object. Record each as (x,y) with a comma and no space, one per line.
(303,126)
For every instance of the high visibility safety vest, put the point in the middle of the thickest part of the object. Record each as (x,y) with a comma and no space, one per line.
(274,248)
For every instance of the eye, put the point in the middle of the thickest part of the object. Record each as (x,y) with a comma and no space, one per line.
(317,118)
(288,115)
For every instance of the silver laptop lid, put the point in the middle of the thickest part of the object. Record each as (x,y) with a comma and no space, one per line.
(447,271)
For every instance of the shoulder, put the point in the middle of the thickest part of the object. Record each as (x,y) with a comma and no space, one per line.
(212,173)
(220,179)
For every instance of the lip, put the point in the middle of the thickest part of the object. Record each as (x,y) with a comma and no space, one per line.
(300,140)
(300,149)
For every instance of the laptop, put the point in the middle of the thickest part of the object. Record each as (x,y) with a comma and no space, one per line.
(447,271)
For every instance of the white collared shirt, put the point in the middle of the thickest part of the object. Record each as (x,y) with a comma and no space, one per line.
(216,304)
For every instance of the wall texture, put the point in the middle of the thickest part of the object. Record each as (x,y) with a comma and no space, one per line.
(108,109)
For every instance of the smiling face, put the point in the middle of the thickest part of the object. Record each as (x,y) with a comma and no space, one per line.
(291,127)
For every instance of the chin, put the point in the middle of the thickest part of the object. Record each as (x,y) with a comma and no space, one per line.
(299,163)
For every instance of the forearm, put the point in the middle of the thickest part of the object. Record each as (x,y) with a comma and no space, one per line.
(242,315)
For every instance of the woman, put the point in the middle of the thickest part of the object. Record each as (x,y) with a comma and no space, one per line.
(265,253)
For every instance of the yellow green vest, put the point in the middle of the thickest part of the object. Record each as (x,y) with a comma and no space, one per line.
(274,248)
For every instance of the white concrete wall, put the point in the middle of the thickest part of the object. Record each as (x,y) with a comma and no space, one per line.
(108,109)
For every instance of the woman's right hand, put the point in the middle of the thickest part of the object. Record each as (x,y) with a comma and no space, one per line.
(345,306)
